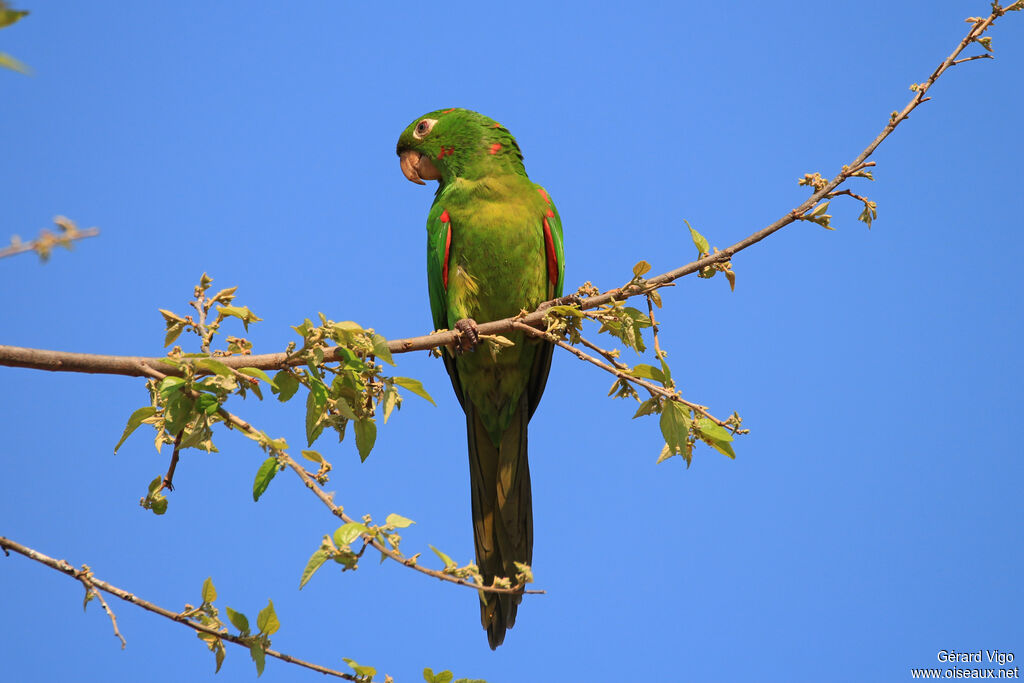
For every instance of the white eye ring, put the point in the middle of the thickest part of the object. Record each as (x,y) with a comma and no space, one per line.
(423,128)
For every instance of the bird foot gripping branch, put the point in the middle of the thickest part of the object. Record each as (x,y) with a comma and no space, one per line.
(469,335)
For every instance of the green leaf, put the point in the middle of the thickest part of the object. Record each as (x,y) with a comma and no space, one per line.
(389,402)
(316,560)
(285,385)
(646,408)
(346,533)
(169,385)
(448,562)
(214,366)
(316,402)
(645,371)
(267,620)
(366,436)
(666,453)
(158,505)
(208,403)
(218,654)
(256,372)
(209,592)
(241,312)
(675,425)
(641,269)
(716,436)
(174,331)
(664,368)
(10,16)
(240,621)
(709,429)
(258,656)
(398,521)
(11,63)
(428,675)
(413,385)
(441,677)
(312,455)
(380,349)
(699,240)
(134,420)
(343,407)
(264,475)
(178,410)
(360,670)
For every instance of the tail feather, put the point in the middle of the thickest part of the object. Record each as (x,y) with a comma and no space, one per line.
(502,513)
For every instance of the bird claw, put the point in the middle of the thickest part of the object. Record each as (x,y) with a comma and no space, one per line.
(469,337)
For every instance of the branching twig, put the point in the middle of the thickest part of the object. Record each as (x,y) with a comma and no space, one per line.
(327,499)
(622,374)
(91,582)
(47,240)
(85,576)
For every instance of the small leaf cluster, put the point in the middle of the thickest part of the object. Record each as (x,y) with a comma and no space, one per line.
(703,251)
(209,616)
(680,426)
(338,546)
(818,214)
(362,671)
(340,371)
(67,230)
(446,677)
(176,324)
(622,322)
(350,387)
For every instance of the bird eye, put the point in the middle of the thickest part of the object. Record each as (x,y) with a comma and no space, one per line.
(423,127)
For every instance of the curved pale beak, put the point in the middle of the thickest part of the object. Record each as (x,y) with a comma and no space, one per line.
(417,167)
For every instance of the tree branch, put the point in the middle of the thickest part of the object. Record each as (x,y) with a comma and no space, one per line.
(85,576)
(61,361)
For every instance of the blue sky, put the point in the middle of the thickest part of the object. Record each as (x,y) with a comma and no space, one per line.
(872,517)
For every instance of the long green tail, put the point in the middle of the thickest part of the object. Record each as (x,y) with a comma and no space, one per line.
(502,512)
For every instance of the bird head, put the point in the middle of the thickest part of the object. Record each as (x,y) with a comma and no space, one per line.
(456,143)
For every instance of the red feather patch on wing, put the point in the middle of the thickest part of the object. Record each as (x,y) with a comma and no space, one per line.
(549,245)
(447,247)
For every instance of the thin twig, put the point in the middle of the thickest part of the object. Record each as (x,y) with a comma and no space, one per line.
(66,568)
(849,193)
(604,352)
(969,59)
(622,374)
(47,240)
(168,481)
(654,327)
(85,576)
(327,500)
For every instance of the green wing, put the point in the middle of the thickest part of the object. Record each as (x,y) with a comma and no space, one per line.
(437,235)
(542,363)
(555,223)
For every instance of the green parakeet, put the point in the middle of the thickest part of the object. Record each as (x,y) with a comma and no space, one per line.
(494,248)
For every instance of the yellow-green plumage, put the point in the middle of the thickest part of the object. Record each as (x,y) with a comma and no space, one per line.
(494,248)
